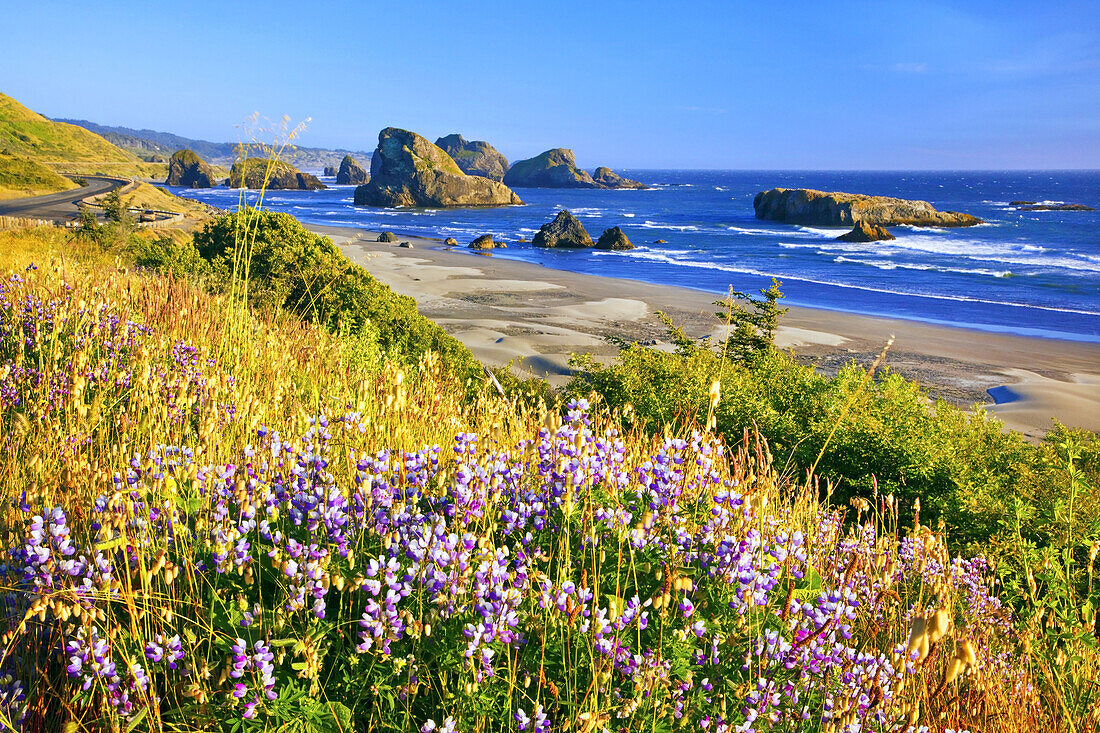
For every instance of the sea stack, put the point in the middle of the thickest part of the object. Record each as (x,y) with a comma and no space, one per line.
(607,178)
(564,231)
(186,168)
(408,170)
(250,174)
(818,208)
(474,157)
(866,232)
(556,168)
(614,239)
(351,172)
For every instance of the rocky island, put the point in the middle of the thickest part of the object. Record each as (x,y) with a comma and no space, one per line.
(1039,206)
(564,231)
(607,178)
(186,168)
(810,207)
(408,170)
(250,174)
(351,172)
(556,168)
(474,157)
(614,239)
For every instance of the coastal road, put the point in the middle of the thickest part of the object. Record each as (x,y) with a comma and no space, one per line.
(59,206)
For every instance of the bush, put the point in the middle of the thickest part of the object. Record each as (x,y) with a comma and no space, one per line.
(862,433)
(283,265)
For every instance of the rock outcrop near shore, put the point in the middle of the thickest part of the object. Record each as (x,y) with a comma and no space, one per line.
(330,170)
(484,242)
(564,231)
(250,173)
(186,168)
(351,172)
(474,157)
(555,168)
(607,178)
(866,232)
(1040,206)
(614,239)
(807,206)
(408,170)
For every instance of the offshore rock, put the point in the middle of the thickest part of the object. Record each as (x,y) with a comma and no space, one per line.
(330,170)
(186,168)
(475,157)
(807,206)
(555,168)
(485,241)
(607,178)
(407,170)
(614,239)
(351,172)
(250,173)
(564,231)
(866,232)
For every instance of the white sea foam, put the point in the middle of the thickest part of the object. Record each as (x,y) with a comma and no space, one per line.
(895,265)
(659,257)
(658,225)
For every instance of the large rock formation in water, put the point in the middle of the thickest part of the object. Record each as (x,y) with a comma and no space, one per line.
(474,157)
(615,239)
(564,231)
(351,172)
(408,170)
(806,206)
(250,173)
(330,170)
(607,178)
(866,232)
(186,168)
(555,168)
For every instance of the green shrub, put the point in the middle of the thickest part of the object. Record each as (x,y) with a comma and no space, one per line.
(284,265)
(860,432)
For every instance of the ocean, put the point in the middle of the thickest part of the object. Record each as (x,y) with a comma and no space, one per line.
(1028,273)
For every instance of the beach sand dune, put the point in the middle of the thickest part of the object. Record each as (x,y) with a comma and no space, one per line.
(506,310)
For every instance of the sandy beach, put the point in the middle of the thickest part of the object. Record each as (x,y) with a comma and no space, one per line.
(536,317)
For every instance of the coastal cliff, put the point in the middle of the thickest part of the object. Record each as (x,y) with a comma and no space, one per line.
(408,170)
(474,157)
(807,206)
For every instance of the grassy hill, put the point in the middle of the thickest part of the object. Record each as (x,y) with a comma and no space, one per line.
(63,147)
(21,177)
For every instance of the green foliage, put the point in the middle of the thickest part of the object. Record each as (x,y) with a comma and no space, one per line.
(286,266)
(752,322)
(167,254)
(1048,552)
(864,433)
(21,174)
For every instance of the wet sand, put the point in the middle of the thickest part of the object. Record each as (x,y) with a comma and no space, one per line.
(536,317)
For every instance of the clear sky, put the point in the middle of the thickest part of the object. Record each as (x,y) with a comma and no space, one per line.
(666,84)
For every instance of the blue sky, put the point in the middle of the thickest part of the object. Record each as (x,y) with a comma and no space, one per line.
(837,85)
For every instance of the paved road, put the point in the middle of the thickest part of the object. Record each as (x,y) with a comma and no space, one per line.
(58,206)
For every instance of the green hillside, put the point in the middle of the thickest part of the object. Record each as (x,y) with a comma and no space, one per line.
(27,134)
(20,177)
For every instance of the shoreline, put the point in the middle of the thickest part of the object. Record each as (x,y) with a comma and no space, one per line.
(506,310)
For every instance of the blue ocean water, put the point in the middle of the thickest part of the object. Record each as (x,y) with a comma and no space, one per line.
(1034,273)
